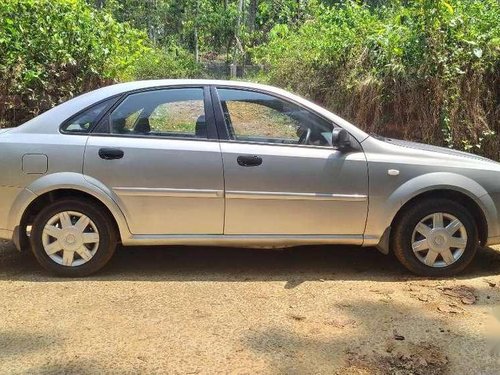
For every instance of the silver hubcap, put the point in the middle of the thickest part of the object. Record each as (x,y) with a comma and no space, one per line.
(439,240)
(70,238)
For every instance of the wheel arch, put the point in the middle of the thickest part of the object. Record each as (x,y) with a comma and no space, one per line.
(385,214)
(49,188)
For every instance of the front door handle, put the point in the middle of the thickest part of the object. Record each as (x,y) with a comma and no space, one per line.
(111,153)
(249,160)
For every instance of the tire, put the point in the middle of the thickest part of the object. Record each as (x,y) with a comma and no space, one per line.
(98,252)
(406,235)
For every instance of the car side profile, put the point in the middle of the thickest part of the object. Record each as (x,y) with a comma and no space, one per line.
(224,163)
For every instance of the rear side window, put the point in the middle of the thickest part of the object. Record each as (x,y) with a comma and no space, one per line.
(178,112)
(85,121)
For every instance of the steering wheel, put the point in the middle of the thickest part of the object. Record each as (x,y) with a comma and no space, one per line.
(305,137)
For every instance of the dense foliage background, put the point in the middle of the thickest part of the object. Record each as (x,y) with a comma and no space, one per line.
(52,50)
(426,70)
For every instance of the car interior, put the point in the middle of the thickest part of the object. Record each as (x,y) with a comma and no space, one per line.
(309,128)
(308,131)
(142,126)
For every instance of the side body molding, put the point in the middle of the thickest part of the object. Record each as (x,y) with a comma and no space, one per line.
(383,209)
(74,181)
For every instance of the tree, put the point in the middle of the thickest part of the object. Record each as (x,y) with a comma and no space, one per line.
(252,15)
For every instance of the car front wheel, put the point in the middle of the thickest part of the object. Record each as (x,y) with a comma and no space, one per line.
(435,237)
(73,238)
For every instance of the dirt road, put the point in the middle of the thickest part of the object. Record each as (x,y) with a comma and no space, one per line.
(203,311)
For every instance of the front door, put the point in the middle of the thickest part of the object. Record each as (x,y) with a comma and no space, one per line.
(282,176)
(158,153)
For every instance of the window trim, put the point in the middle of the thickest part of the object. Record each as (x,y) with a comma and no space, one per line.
(217,130)
(207,104)
(221,122)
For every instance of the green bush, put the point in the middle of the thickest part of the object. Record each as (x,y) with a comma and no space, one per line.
(51,50)
(422,69)
(174,62)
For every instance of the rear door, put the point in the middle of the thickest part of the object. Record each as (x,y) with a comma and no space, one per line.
(282,176)
(158,152)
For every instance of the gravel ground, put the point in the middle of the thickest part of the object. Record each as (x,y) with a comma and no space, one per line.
(331,310)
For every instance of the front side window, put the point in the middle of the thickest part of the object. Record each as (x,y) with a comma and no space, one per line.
(85,121)
(170,112)
(256,117)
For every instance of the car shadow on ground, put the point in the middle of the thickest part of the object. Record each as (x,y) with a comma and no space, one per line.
(305,341)
(294,265)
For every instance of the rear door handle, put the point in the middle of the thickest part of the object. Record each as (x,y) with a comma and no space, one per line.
(111,153)
(249,160)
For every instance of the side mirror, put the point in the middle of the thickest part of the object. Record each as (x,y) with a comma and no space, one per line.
(341,139)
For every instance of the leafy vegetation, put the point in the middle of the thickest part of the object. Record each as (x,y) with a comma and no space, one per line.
(173,62)
(422,69)
(52,50)
(426,70)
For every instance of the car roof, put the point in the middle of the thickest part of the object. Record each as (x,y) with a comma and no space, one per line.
(134,85)
(50,121)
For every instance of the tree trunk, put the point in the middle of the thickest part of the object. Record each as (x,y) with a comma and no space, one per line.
(252,15)
(238,19)
(237,43)
(99,4)
(151,25)
(196,43)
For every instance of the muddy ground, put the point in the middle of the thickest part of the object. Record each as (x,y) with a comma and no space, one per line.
(310,310)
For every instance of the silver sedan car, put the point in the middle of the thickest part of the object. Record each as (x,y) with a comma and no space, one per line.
(223,163)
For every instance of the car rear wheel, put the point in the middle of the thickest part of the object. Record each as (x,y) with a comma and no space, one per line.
(436,237)
(73,238)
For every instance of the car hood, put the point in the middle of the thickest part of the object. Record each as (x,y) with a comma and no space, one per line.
(441,150)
